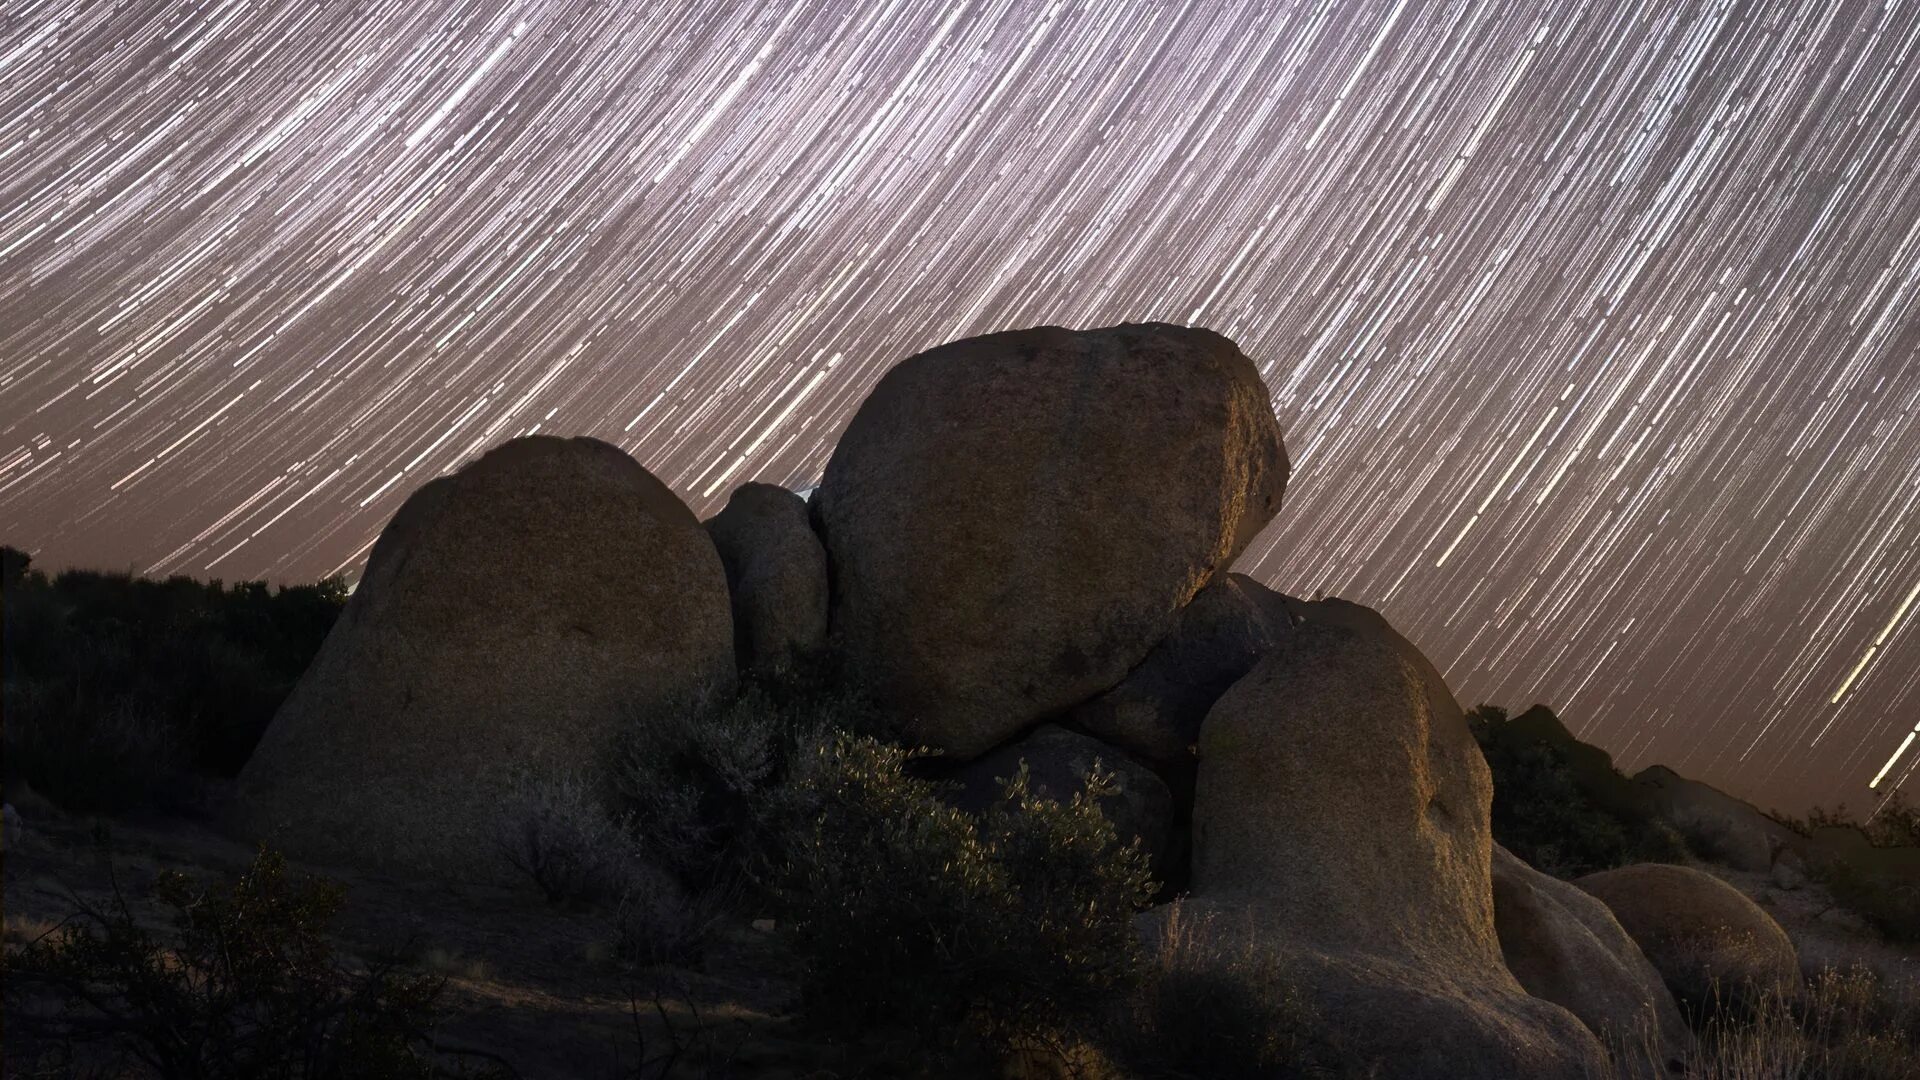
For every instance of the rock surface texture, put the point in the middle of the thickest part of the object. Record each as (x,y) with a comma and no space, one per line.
(776,574)
(511,615)
(1014,521)
(1156,710)
(1564,946)
(1698,930)
(1341,822)
(1716,824)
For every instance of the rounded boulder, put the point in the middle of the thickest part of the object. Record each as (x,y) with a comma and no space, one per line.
(512,616)
(1566,947)
(1703,935)
(1013,521)
(1156,710)
(776,575)
(1341,816)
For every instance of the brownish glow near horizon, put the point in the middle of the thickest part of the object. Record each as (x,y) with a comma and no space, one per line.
(1592,326)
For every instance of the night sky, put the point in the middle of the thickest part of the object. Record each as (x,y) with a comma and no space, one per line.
(1593,328)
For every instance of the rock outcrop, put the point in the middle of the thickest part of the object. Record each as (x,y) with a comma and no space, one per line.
(1341,818)
(512,615)
(776,574)
(1014,521)
(1058,762)
(1703,935)
(1564,946)
(1156,710)
(1715,824)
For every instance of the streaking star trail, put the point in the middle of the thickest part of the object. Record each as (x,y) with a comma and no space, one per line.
(1592,326)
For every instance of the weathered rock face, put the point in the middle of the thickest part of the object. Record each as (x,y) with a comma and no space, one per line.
(1715,824)
(1058,761)
(511,615)
(1566,947)
(1341,808)
(1696,929)
(1014,521)
(776,573)
(1156,710)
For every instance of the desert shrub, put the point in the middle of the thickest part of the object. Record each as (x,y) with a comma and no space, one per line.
(1890,904)
(657,920)
(246,985)
(1851,1025)
(1888,900)
(1212,1009)
(687,780)
(119,690)
(1895,824)
(557,830)
(1009,930)
(1542,815)
(694,784)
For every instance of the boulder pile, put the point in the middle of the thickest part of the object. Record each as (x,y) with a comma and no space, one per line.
(1021,550)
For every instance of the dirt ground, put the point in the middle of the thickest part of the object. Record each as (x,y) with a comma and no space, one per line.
(1825,934)
(530,982)
(536,984)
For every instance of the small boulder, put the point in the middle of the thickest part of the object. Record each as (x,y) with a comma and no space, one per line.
(1566,947)
(514,615)
(1698,931)
(1789,873)
(1341,823)
(1014,521)
(776,575)
(1058,762)
(1156,710)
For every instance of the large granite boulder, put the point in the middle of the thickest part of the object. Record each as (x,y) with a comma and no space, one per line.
(1156,710)
(1563,945)
(1704,936)
(1014,521)
(512,616)
(1058,762)
(776,574)
(1718,826)
(1341,819)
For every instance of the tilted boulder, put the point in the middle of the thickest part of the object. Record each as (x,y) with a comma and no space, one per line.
(776,574)
(1703,935)
(1341,819)
(1014,521)
(512,615)
(1156,710)
(1058,762)
(1566,947)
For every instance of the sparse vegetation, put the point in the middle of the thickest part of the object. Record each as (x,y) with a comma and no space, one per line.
(1208,1010)
(1025,913)
(1850,1025)
(1886,897)
(120,691)
(1542,813)
(246,985)
(558,832)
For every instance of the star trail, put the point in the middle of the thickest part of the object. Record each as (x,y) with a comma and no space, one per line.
(1592,327)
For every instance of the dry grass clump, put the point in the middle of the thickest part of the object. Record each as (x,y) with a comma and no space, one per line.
(1843,1025)
(1217,1010)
